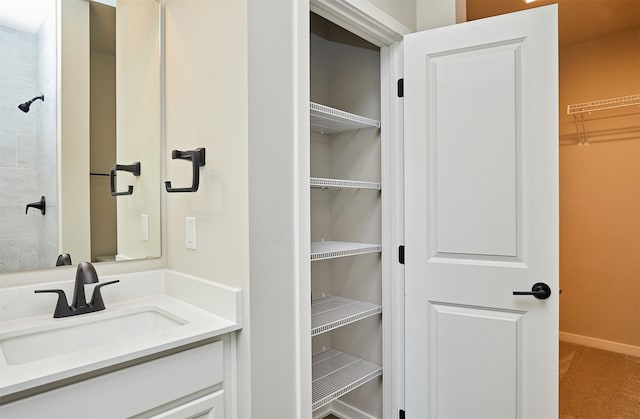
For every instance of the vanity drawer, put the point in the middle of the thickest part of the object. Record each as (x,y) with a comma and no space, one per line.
(129,391)
(210,406)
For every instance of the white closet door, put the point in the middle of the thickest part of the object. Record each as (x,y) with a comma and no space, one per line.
(481,155)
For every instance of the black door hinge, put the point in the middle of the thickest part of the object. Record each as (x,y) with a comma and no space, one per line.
(401,414)
(400,87)
(401,254)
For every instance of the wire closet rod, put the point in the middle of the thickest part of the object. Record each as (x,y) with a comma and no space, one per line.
(580,109)
(599,105)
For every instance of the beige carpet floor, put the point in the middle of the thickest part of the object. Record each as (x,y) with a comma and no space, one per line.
(597,384)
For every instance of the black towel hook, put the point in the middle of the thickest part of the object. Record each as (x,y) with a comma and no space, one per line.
(131,168)
(197,160)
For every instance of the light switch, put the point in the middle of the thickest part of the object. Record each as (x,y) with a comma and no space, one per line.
(144,227)
(191,232)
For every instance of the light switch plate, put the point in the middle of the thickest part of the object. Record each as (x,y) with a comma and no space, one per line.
(144,227)
(191,232)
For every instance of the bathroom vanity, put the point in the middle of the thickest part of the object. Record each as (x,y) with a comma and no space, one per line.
(163,347)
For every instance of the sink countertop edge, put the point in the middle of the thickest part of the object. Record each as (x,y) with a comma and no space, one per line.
(202,324)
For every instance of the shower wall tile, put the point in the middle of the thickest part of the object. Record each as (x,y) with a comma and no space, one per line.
(18,77)
(50,224)
(9,114)
(18,186)
(27,254)
(47,254)
(18,47)
(17,90)
(16,224)
(27,153)
(47,140)
(27,49)
(28,150)
(46,51)
(8,255)
(23,79)
(48,236)
(24,123)
(7,43)
(8,148)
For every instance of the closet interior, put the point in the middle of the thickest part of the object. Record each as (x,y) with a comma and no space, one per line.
(346,220)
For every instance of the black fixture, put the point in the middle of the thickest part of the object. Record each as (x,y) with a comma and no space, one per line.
(64,259)
(197,160)
(86,274)
(24,107)
(131,168)
(41,205)
(539,290)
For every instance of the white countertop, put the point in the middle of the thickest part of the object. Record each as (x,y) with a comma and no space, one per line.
(203,309)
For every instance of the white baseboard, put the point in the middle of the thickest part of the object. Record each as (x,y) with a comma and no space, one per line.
(341,410)
(607,345)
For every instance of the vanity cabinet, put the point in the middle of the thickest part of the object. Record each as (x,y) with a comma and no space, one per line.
(190,383)
(346,220)
(210,406)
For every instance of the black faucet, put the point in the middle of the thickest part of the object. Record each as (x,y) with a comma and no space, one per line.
(85,274)
(41,205)
(63,259)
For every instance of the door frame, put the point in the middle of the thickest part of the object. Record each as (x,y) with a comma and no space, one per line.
(375,26)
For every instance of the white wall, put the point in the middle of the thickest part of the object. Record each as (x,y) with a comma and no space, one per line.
(73,150)
(435,13)
(102,127)
(138,125)
(278,139)
(404,11)
(423,14)
(206,106)
(248,208)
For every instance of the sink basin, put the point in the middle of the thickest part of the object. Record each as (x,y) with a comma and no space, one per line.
(84,332)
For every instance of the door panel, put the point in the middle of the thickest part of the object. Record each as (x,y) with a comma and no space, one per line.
(474,342)
(481,213)
(476,208)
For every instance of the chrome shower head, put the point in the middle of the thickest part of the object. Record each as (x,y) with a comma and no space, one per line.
(24,107)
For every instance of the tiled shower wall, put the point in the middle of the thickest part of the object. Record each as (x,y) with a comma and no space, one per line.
(27,148)
(46,140)
(18,151)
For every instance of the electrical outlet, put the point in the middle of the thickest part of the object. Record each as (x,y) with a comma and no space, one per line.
(191,232)
(144,227)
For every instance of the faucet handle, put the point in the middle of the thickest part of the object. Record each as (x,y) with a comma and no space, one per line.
(97,303)
(62,306)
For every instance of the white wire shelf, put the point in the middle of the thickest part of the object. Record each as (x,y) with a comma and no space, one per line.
(337,249)
(328,120)
(330,312)
(327,183)
(334,374)
(580,109)
(600,105)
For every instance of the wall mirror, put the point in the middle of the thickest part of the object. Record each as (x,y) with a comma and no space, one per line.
(80,111)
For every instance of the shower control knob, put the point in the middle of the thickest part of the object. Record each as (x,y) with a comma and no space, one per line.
(539,290)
